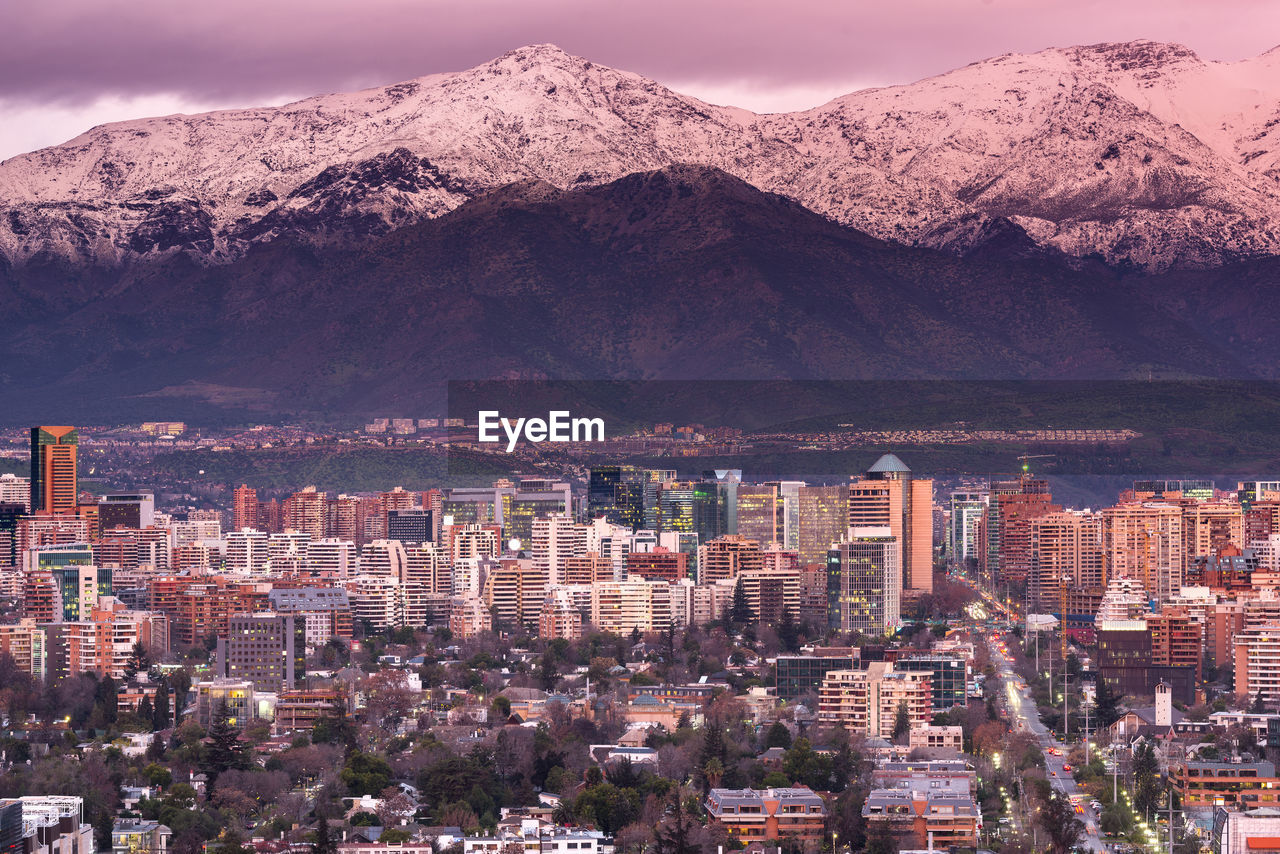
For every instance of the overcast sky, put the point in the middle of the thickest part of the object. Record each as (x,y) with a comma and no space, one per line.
(66,65)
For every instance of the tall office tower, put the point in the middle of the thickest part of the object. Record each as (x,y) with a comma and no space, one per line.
(126,510)
(889,495)
(822,520)
(1145,542)
(306,511)
(54,488)
(514,590)
(385,558)
(726,557)
(267,649)
(15,490)
(698,507)
(473,506)
(1208,527)
(1066,555)
(788,492)
(967,510)
(533,499)
(1007,526)
(411,527)
(248,551)
(727,483)
(618,494)
(761,513)
(1172,490)
(555,539)
(864,582)
(244,507)
(331,558)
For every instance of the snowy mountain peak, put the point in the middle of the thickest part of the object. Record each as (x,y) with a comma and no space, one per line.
(1139,152)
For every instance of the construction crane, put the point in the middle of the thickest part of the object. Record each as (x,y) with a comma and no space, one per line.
(1025,458)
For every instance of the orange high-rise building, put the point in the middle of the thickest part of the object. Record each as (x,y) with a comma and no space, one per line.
(244,508)
(53,470)
(889,496)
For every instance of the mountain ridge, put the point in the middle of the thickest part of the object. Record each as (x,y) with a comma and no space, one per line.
(1138,153)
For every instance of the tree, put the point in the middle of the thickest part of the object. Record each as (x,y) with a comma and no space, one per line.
(138,661)
(365,773)
(324,843)
(1059,822)
(673,836)
(740,612)
(1105,701)
(107,699)
(224,750)
(180,682)
(146,711)
(334,727)
(160,715)
(901,722)
(880,840)
(778,736)
(788,631)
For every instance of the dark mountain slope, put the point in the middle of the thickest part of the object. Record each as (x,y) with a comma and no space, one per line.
(681,273)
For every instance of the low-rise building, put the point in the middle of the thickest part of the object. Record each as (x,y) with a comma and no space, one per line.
(769,815)
(139,836)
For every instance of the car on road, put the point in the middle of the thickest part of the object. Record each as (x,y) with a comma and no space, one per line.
(1066,767)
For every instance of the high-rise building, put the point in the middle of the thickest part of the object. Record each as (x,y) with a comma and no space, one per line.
(1006,553)
(659,564)
(555,539)
(307,511)
(967,510)
(1257,664)
(1209,526)
(54,488)
(725,557)
(126,510)
(621,607)
(1066,554)
(411,527)
(761,513)
(244,508)
(889,496)
(822,518)
(1145,542)
(248,551)
(267,649)
(623,495)
(864,582)
(15,490)
(514,591)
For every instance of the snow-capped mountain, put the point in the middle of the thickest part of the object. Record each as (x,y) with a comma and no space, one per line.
(1141,153)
